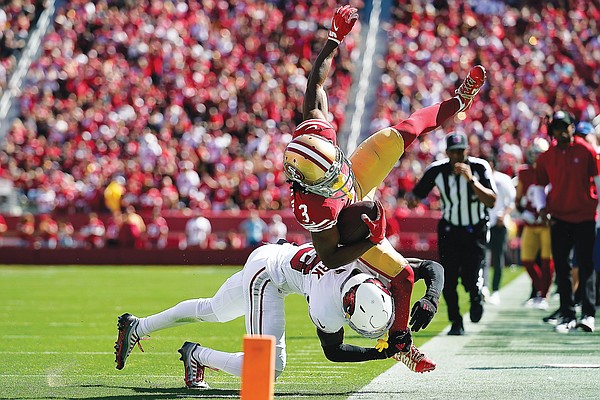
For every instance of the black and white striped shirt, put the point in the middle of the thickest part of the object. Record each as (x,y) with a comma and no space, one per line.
(460,204)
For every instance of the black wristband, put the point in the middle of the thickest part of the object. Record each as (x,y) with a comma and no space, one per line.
(432,297)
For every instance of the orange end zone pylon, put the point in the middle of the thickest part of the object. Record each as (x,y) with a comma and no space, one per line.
(258,369)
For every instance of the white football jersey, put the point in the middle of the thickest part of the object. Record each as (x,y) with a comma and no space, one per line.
(298,269)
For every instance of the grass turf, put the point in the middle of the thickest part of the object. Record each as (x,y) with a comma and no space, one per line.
(58,327)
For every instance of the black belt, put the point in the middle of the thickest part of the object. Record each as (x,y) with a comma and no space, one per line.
(481,225)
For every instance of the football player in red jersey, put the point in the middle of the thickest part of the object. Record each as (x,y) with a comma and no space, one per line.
(536,233)
(324,181)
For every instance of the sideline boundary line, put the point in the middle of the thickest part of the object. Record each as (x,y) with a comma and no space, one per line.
(507,355)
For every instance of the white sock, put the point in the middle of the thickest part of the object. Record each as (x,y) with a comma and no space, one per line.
(223,361)
(461,104)
(186,312)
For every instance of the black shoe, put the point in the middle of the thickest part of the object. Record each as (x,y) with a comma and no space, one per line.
(126,339)
(476,310)
(456,329)
(194,371)
(552,319)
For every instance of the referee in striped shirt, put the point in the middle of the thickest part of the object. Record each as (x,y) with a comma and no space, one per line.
(467,191)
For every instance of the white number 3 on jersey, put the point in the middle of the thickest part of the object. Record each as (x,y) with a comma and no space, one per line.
(304,210)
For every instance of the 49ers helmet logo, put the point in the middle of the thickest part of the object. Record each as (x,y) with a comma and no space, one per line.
(293,172)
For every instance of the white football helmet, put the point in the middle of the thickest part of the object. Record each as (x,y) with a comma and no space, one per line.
(319,166)
(537,147)
(368,305)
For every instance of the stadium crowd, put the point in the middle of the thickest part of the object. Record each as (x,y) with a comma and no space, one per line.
(190,104)
(17,18)
(540,57)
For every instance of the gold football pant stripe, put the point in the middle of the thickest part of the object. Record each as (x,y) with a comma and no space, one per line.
(372,161)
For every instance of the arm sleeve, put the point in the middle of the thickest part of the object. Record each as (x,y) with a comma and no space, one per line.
(425,184)
(433,275)
(597,183)
(487,179)
(512,195)
(595,169)
(541,176)
(335,350)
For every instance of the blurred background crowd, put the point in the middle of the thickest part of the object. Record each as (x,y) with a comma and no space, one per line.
(189,104)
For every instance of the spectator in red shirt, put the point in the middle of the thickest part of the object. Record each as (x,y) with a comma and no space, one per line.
(113,226)
(130,234)
(93,233)
(3,228)
(569,167)
(66,233)
(234,240)
(150,199)
(26,230)
(48,229)
(169,193)
(157,231)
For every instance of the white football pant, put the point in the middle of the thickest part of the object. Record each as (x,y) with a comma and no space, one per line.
(249,292)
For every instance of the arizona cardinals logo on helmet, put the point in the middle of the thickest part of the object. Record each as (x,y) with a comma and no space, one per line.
(368,305)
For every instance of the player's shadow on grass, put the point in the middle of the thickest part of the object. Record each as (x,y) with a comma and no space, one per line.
(165,393)
(169,393)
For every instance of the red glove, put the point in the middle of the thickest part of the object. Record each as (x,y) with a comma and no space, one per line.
(377,226)
(342,22)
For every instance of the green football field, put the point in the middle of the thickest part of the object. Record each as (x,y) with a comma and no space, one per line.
(58,327)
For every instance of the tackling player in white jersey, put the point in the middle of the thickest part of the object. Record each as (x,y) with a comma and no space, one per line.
(351,295)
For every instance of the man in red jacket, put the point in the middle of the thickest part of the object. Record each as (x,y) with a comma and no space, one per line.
(570,169)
